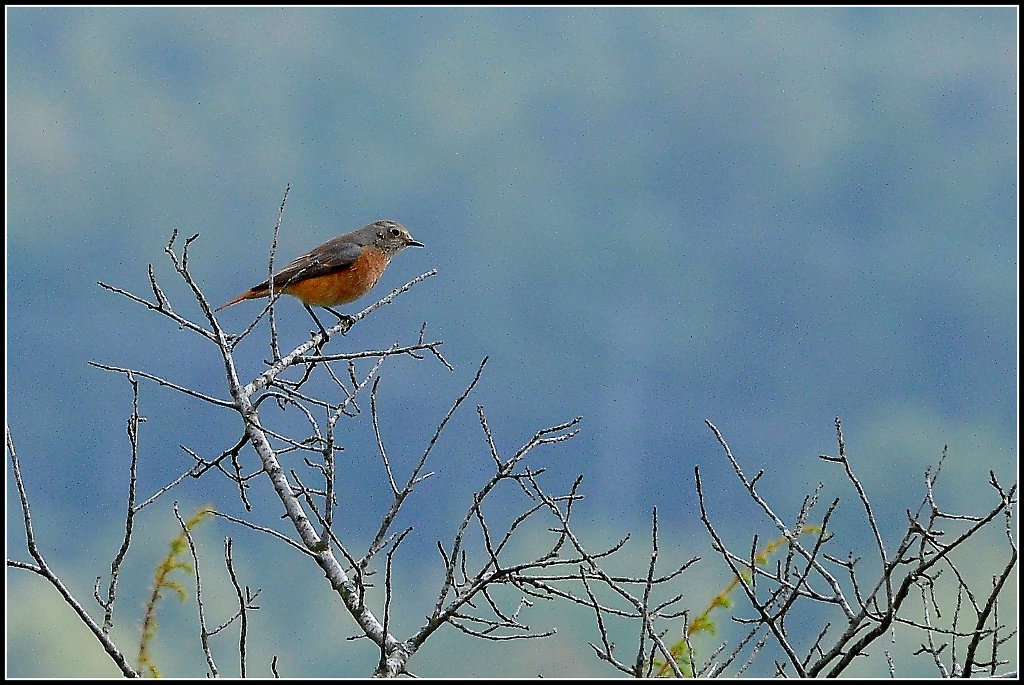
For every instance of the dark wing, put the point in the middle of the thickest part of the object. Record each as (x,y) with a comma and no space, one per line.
(334,255)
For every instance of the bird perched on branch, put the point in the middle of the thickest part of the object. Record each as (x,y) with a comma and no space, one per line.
(338,272)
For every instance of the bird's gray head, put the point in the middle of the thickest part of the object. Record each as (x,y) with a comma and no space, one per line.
(392,237)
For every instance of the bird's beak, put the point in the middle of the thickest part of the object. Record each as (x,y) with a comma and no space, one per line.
(414,243)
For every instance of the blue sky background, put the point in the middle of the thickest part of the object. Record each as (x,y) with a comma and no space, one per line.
(645,217)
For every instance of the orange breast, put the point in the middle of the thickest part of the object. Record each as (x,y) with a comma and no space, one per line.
(344,286)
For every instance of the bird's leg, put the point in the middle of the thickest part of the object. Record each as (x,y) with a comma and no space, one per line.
(320,325)
(343,318)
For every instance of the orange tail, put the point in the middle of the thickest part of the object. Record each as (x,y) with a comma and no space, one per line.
(247,295)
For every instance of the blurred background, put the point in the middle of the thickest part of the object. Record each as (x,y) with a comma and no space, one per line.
(644,217)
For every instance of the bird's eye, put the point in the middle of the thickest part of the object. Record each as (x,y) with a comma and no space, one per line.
(395,233)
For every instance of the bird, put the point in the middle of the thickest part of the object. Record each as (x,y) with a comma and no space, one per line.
(339,271)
